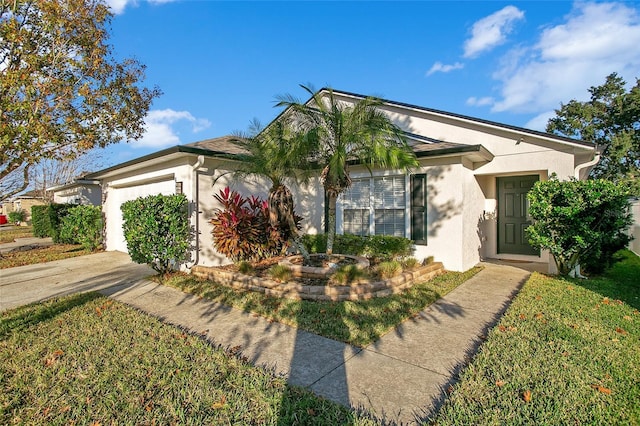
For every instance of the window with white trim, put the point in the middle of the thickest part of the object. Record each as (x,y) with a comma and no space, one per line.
(375,206)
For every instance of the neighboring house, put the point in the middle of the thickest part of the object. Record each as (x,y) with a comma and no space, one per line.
(24,202)
(80,191)
(464,203)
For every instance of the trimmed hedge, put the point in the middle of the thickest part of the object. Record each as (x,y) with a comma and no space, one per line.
(157,230)
(375,247)
(83,225)
(40,221)
(56,213)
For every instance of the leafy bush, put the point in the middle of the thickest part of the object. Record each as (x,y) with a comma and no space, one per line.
(157,230)
(579,221)
(241,229)
(376,247)
(17,216)
(40,221)
(55,214)
(83,225)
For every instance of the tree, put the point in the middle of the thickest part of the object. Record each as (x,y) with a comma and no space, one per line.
(62,92)
(610,119)
(281,154)
(347,133)
(579,222)
(48,173)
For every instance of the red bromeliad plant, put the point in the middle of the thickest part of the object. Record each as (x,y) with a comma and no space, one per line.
(241,229)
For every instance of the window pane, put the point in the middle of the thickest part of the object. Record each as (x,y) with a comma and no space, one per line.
(357,196)
(356,221)
(389,192)
(390,222)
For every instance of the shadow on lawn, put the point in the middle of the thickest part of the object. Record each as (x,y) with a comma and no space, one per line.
(19,319)
(620,282)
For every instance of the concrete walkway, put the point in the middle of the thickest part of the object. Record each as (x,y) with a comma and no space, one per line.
(25,243)
(401,378)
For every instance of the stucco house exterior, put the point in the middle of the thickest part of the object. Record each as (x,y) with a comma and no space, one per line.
(79,191)
(464,203)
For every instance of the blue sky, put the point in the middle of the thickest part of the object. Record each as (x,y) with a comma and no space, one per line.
(221,64)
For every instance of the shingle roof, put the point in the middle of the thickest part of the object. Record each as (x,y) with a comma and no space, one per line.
(220,145)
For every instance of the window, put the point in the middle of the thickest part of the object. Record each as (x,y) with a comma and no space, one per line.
(375,206)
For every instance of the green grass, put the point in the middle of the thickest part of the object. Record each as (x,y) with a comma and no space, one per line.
(9,235)
(85,359)
(40,255)
(358,323)
(572,345)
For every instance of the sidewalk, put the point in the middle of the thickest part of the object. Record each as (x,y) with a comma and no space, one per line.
(26,243)
(399,378)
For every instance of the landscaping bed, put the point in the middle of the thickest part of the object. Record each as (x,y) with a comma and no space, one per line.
(358,322)
(314,287)
(41,254)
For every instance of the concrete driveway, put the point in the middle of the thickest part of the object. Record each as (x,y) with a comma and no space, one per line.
(34,283)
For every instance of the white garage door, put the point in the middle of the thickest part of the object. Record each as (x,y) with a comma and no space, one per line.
(115,235)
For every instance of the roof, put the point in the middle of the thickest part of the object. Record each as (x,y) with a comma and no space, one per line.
(423,146)
(466,118)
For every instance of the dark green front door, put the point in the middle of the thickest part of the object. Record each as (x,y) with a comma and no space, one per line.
(513,217)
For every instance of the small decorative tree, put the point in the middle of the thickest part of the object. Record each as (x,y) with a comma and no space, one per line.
(157,231)
(578,220)
(242,228)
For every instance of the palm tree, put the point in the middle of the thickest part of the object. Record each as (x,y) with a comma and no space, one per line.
(347,133)
(279,154)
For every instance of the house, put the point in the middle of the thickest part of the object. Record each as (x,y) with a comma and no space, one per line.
(464,203)
(79,191)
(24,202)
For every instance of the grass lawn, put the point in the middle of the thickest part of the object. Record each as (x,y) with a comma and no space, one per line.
(40,255)
(8,235)
(566,352)
(85,359)
(358,323)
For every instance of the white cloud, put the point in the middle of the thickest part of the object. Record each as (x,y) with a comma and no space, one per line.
(491,31)
(118,6)
(440,67)
(595,40)
(162,127)
(539,122)
(473,101)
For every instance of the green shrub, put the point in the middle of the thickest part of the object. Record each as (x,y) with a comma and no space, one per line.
(17,216)
(347,274)
(83,225)
(55,214)
(157,231)
(389,269)
(280,273)
(427,260)
(375,247)
(40,221)
(579,221)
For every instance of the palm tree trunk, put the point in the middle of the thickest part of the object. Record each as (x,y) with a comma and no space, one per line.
(331,236)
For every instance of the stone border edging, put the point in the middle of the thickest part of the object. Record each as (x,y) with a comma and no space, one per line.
(362,290)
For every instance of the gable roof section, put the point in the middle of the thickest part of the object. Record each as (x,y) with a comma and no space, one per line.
(479,121)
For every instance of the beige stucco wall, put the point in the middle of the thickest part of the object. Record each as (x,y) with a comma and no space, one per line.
(79,194)
(634,245)
(308,201)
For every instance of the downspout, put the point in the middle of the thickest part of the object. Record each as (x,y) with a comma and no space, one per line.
(195,254)
(579,167)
